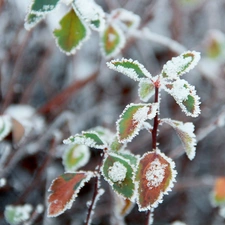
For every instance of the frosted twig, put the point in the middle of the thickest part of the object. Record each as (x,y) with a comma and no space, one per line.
(157,38)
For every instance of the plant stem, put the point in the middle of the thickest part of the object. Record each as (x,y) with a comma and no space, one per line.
(95,194)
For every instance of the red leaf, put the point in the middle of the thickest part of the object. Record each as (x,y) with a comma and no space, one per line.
(156,176)
(64,191)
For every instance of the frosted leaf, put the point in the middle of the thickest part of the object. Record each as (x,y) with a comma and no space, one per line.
(129,20)
(72,33)
(112,40)
(132,119)
(75,157)
(41,7)
(67,2)
(5,126)
(91,13)
(185,132)
(130,68)
(155,176)
(155,173)
(115,145)
(185,96)
(117,172)
(3,182)
(17,214)
(180,65)
(32,20)
(64,189)
(89,138)
(146,89)
(104,133)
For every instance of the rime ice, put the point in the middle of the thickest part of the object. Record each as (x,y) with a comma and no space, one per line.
(155,174)
(117,172)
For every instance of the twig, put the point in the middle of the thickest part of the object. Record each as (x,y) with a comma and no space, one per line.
(162,40)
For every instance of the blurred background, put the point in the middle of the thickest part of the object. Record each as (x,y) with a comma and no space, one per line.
(57,95)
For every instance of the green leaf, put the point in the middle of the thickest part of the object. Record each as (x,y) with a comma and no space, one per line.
(91,13)
(129,20)
(88,138)
(185,96)
(132,119)
(118,172)
(64,189)
(185,132)
(146,90)
(112,40)
(72,33)
(180,65)
(16,215)
(5,126)
(32,20)
(115,145)
(75,157)
(155,177)
(43,6)
(130,68)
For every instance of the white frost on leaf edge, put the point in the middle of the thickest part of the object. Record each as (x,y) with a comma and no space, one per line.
(78,151)
(173,68)
(30,25)
(140,117)
(123,16)
(179,96)
(89,175)
(188,129)
(130,72)
(132,198)
(5,126)
(90,11)
(162,193)
(120,45)
(140,87)
(77,47)
(82,140)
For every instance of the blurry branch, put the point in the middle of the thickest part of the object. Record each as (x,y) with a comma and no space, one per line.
(162,40)
(61,98)
(202,133)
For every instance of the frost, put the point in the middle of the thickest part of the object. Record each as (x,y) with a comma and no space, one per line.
(222,211)
(180,65)
(155,173)
(67,2)
(179,91)
(117,172)
(39,208)
(129,67)
(91,12)
(141,114)
(5,126)
(178,223)
(17,214)
(2,182)
(146,89)
(185,131)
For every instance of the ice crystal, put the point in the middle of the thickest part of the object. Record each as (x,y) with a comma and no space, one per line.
(117,172)
(179,91)
(141,114)
(155,174)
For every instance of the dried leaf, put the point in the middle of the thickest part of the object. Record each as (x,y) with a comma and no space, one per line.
(112,40)
(64,190)
(185,96)
(155,177)
(129,67)
(185,132)
(72,33)
(218,195)
(75,157)
(132,119)
(180,65)
(118,172)
(88,138)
